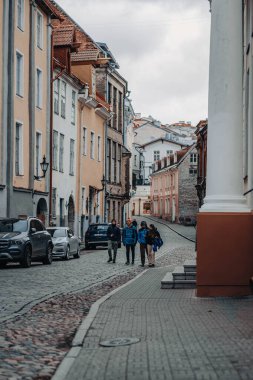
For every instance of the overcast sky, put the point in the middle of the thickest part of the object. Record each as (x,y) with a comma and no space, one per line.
(162,47)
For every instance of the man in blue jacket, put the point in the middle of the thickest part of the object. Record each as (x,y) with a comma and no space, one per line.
(143,241)
(129,239)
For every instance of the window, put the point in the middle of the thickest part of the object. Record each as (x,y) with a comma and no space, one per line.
(39,30)
(99,148)
(54,202)
(20,14)
(19,74)
(55,150)
(108,160)
(120,112)
(61,153)
(135,160)
(119,164)
(56,96)
(73,108)
(84,141)
(114,162)
(38,153)
(193,171)
(114,108)
(156,155)
(19,149)
(193,158)
(83,201)
(71,157)
(92,136)
(39,88)
(63,99)
(169,152)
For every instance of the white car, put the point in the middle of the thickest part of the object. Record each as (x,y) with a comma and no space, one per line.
(66,244)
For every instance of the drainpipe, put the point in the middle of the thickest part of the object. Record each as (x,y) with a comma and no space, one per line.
(51,132)
(10,107)
(31,97)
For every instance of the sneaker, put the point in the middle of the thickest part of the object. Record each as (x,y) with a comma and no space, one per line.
(141,265)
(110,259)
(132,263)
(114,261)
(127,263)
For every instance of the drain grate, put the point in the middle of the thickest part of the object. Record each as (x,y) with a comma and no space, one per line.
(119,342)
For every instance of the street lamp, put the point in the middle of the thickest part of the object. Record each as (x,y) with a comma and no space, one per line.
(103,182)
(44,166)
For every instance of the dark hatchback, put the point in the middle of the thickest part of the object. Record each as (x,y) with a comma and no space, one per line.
(24,241)
(96,235)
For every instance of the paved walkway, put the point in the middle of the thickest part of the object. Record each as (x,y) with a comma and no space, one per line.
(181,337)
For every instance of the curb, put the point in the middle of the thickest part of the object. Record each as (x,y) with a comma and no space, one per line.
(68,360)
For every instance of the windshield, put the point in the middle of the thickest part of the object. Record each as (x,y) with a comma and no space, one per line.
(98,228)
(13,226)
(54,232)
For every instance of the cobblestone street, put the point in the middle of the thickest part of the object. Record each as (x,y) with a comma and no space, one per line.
(42,307)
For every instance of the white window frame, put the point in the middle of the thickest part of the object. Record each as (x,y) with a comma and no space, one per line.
(20,87)
(84,142)
(20,170)
(73,107)
(55,149)
(61,152)
(72,157)
(20,15)
(156,155)
(39,37)
(92,145)
(99,148)
(193,158)
(63,99)
(39,89)
(57,96)
(38,153)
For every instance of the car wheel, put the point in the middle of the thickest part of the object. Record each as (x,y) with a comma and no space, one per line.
(49,256)
(77,254)
(67,254)
(27,258)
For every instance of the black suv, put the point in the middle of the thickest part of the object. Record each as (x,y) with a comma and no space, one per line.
(96,235)
(23,241)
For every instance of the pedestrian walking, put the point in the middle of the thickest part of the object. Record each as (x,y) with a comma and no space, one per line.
(143,241)
(129,239)
(151,237)
(135,224)
(114,239)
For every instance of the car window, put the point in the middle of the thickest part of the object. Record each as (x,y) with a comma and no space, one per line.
(13,226)
(39,226)
(54,232)
(98,228)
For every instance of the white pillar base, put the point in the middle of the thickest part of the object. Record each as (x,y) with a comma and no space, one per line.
(224,203)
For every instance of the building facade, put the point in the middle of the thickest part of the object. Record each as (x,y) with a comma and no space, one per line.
(25,106)
(225,221)
(173,193)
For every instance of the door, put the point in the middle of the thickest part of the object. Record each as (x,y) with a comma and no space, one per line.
(35,238)
(71,241)
(42,238)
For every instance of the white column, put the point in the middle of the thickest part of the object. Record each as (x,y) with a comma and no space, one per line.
(225,141)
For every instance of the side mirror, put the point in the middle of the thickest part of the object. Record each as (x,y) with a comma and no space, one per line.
(33,230)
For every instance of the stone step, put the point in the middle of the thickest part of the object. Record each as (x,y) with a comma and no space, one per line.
(179,274)
(190,266)
(168,282)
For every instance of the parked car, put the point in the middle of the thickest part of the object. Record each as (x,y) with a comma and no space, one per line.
(96,235)
(65,243)
(24,240)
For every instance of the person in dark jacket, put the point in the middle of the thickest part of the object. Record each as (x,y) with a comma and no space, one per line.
(143,241)
(150,238)
(129,239)
(114,238)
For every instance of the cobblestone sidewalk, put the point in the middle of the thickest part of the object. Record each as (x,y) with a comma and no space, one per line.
(181,337)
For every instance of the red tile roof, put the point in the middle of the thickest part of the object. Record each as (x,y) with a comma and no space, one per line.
(85,55)
(63,35)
